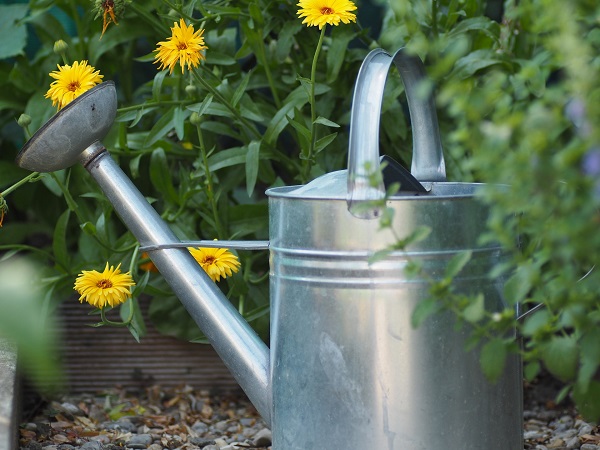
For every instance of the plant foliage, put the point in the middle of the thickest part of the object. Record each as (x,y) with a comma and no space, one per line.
(518,95)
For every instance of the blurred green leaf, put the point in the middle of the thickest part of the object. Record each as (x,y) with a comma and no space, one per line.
(13,33)
(493,359)
(59,240)
(560,356)
(165,124)
(161,176)
(252,159)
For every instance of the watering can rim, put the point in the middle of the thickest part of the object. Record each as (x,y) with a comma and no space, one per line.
(470,190)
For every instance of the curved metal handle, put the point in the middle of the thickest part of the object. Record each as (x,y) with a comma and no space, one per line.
(363,158)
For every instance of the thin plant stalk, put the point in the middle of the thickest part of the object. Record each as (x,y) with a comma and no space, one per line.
(308,161)
(227,104)
(210,193)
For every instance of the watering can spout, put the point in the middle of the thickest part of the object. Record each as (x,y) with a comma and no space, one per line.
(73,135)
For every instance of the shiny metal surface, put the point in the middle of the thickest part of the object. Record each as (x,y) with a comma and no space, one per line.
(363,154)
(238,245)
(59,142)
(348,368)
(246,356)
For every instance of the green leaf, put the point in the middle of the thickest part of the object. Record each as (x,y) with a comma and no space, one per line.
(169,317)
(200,108)
(285,39)
(157,84)
(179,116)
(340,38)
(418,235)
(252,160)
(13,32)
(457,263)
(59,239)
(302,129)
(531,370)
(493,359)
(136,327)
(326,122)
(536,322)
(296,99)
(324,142)
(423,310)
(466,66)
(517,286)
(160,175)
(483,24)
(227,158)
(560,356)
(165,124)
(476,309)
(240,90)
(588,401)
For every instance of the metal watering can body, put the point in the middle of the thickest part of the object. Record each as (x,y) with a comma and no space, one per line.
(345,368)
(348,369)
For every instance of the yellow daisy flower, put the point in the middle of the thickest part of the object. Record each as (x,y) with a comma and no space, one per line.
(321,12)
(216,262)
(110,287)
(72,81)
(184,46)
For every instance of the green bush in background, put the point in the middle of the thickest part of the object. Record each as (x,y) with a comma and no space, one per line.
(518,96)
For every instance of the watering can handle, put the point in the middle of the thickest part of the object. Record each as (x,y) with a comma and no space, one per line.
(363,157)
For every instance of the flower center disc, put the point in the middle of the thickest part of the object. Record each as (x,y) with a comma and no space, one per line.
(209,260)
(326,10)
(104,284)
(181,46)
(73,86)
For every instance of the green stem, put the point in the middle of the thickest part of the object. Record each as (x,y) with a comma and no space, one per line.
(80,32)
(308,161)
(228,105)
(265,63)
(210,193)
(154,104)
(434,14)
(19,183)
(116,324)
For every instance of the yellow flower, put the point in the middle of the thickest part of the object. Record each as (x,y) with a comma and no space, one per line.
(72,81)
(147,266)
(321,12)
(216,262)
(110,287)
(185,45)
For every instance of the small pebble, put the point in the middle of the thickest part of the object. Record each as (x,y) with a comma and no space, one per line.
(139,441)
(263,438)
(91,445)
(589,447)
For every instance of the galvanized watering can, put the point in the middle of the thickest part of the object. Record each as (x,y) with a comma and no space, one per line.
(345,368)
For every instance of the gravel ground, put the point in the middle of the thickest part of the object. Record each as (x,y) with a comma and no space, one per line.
(183,418)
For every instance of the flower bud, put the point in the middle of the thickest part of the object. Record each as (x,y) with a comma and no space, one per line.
(191,90)
(60,47)
(24,120)
(195,119)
